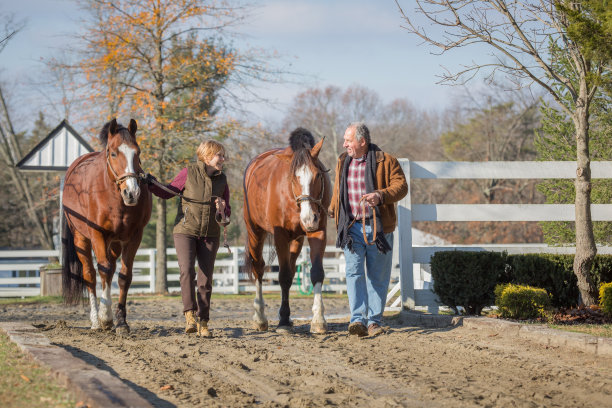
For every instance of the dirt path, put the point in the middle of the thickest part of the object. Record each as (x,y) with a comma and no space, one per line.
(406,367)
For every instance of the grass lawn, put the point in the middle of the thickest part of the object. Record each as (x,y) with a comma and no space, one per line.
(23,383)
(599,330)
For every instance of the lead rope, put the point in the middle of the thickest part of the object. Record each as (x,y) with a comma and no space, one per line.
(224,221)
(363,218)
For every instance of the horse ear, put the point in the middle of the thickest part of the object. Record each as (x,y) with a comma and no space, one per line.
(314,152)
(132,127)
(112,129)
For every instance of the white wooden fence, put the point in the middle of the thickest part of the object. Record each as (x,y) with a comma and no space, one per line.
(405,293)
(229,279)
(23,266)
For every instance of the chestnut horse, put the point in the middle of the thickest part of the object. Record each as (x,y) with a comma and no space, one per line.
(286,193)
(105,208)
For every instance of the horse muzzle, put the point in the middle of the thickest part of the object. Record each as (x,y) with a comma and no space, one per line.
(130,196)
(311,224)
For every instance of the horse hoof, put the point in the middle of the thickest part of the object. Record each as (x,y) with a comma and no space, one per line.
(318,328)
(284,329)
(260,326)
(106,324)
(122,330)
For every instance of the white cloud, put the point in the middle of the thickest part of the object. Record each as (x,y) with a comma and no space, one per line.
(325,18)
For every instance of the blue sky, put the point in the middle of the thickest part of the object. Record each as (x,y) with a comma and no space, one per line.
(339,42)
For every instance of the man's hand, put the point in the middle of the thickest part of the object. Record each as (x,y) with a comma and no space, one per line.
(372,199)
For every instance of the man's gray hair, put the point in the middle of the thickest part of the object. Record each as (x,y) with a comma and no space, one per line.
(361,131)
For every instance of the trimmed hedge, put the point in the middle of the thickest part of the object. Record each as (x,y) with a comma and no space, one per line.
(554,273)
(605,298)
(521,302)
(467,279)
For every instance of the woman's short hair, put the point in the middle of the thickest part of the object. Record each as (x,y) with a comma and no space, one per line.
(208,149)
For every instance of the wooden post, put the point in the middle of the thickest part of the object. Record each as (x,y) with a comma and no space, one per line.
(151,253)
(405,244)
(236,270)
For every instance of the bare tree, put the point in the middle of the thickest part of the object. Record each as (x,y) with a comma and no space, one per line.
(397,126)
(10,153)
(525,39)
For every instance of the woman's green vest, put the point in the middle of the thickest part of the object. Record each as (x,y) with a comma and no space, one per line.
(195,218)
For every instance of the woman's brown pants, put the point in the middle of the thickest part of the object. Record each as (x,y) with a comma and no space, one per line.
(196,291)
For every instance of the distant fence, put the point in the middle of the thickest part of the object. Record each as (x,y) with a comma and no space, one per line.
(19,272)
(408,295)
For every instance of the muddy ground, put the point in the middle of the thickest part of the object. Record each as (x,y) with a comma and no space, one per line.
(405,367)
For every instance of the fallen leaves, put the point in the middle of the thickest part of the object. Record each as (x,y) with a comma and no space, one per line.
(581,315)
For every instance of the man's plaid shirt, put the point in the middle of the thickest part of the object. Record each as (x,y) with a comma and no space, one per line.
(356,186)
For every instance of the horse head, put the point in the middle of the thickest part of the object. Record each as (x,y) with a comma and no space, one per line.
(123,159)
(308,185)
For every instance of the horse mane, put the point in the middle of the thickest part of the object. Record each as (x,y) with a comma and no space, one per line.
(301,138)
(301,141)
(121,130)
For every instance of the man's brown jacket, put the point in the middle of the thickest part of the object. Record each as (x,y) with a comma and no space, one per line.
(390,183)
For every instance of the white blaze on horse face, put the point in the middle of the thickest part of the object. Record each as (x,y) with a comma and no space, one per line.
(131,184)
(304,176)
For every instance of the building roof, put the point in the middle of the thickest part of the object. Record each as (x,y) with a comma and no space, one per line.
(56,151)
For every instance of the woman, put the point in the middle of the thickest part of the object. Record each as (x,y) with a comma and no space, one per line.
(196,229)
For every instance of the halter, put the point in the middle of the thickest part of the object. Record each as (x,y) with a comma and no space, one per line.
(300,199)
(122,178)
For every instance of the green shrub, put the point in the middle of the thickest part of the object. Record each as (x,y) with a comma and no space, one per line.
(467,279)
(602,269)
(521,302)
(554,273)
(605,298)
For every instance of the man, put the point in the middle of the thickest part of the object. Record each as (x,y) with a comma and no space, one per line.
(366,173)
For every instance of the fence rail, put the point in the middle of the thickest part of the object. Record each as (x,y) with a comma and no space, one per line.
(411,297)
(20,276)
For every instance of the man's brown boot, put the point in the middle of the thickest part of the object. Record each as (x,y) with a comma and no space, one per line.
(190,322)
(203,329)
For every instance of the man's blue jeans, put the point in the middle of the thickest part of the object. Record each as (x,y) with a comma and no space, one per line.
(367,292)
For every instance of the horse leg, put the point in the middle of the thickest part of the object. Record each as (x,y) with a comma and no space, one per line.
(83,250)
(316,241)
(125,280)
(255,248)
(106,256)
(287,252)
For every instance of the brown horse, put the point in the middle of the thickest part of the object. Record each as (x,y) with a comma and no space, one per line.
(106,208)
(286,193)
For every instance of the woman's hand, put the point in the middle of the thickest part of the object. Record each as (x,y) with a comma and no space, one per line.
(220,204)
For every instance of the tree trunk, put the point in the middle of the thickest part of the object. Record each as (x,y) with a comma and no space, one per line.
(585,240)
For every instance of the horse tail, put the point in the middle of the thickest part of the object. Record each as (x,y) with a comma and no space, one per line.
(72,268)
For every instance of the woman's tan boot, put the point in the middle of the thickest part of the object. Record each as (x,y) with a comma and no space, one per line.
(203,329)
(190,322)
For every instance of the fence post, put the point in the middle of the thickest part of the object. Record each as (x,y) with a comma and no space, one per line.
(151,253)
(236,269)
(405,244)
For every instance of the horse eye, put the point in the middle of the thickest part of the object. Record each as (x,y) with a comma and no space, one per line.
(113,154)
